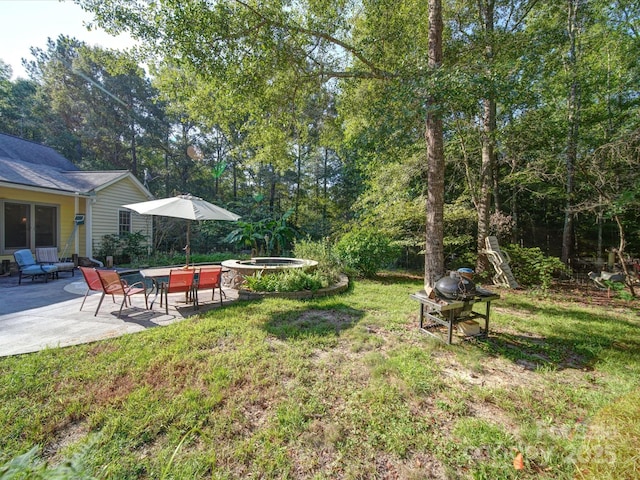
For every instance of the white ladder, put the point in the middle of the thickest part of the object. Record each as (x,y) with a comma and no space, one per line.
(500,261)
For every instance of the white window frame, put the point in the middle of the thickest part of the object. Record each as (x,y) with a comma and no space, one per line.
(127,225)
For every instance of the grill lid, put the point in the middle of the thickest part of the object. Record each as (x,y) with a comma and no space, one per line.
(455,287)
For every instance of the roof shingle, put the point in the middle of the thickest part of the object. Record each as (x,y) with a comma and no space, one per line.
(30,164)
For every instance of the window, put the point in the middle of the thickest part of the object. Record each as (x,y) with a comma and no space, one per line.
(28,225)
(16,225)
(124,222)
(46,223)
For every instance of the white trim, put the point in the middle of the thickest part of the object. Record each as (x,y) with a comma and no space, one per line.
(76,239)
(19,186)
(88,227)
(130,218)
(123,175)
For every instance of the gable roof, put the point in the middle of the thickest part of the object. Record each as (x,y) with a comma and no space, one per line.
(44,176)
(19,149)
(28,164)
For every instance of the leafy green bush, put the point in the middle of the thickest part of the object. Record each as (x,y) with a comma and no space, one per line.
(366,251)
(133,246)
(109,246)
(31,465)
(292,280)
(269,236)
(321,251)
(460,223)
(195,258)
(531,266)
(125,248)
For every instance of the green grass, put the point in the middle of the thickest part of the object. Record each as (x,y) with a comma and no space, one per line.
(337,387)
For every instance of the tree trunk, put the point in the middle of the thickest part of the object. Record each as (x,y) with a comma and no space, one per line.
(166,163)
(272,189)
(296,200)
(620,253)
(434,246)
(572,132)
(134,150)
(488,140)
(325,189)
(486,179)
(235,180)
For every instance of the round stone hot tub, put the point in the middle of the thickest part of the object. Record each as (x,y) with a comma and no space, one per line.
(239,269)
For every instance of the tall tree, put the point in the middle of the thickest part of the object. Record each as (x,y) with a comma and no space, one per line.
(99,103)
(573,122)
(434,248)
(19,106)
(267,51)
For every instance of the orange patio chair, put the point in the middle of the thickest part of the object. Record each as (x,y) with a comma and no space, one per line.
(93,282)
(112,284)
(180,280)
(209,278)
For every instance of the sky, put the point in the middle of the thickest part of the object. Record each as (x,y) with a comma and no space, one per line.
(28,23)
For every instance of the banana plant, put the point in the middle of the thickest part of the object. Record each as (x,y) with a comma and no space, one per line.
(248,234)
(271,234)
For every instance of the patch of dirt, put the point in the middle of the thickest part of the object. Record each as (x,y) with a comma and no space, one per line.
(256,414)
(419,466)
(494,372)
(66,436)
(492,413)
(330,317)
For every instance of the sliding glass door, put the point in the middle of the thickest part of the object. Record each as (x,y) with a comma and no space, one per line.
(28,225)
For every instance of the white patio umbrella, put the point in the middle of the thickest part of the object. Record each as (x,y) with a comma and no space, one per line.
(184,206)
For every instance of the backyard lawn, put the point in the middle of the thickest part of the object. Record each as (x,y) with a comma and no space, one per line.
(338,387)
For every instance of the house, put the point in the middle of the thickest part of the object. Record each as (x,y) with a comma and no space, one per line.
(46,201)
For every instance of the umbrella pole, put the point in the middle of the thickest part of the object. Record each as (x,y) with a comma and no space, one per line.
(187,249)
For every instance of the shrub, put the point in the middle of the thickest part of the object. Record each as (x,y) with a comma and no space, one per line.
(366,251)
(532,267)
(133,246)
(109,246)
(292,280)
(321,251)
(125,248)
(178,258)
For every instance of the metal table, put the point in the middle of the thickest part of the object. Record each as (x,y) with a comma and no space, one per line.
(447,313)
(161,274)
(157,276)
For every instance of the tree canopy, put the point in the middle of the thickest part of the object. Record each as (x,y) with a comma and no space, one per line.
(324,107)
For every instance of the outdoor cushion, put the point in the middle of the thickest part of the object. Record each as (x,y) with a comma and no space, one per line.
(27,266)
(49,255)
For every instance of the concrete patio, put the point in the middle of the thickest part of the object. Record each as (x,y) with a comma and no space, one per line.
(38,315)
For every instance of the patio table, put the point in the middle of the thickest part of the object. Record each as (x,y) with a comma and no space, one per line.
(157,275)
